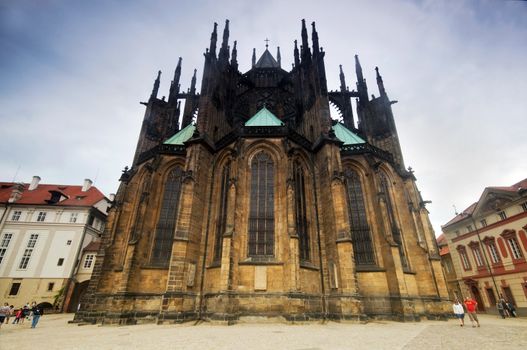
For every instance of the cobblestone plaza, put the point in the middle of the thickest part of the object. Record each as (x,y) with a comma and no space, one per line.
(54,332)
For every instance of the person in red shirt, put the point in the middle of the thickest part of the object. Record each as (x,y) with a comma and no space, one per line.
(472,306)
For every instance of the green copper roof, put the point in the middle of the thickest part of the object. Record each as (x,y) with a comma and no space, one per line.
(181,136)
(264,117)
(346,135)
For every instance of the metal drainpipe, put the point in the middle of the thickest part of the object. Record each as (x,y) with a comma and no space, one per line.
(200,308)
(323,289)
(77,262)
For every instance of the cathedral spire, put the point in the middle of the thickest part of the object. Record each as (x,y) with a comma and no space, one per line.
(193,83)
(362,88)
(297,57)
(254,58)
(358,69)
(234,56)
(314,38)
(213,40)
(306,55)
(342,79)
(380,83)
(174,85)
(278,57)
(155,89)
(223,56)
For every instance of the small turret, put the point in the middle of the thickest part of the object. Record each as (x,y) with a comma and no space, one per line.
(278,57)
(155,89)
(296,54)
(193,83)
(380,83)
(234,56)
(362,88)
(174,85)
(223,56)
(314,38)
(213,40)
(254,58)
(306,54)
(342,79)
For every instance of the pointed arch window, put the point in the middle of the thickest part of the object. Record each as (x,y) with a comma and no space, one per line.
(360,230)
(302,228)
(166,223)
(396,232)
(261,212)
(222,212)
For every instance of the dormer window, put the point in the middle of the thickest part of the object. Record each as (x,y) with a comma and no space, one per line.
(502,215)
(56,197)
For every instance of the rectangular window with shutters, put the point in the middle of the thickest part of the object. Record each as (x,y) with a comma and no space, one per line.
(26,257)
(4,244)
(494,253)
(515,248)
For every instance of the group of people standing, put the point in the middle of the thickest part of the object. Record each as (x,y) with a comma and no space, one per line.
(505,308)
(471,306)
(27,311)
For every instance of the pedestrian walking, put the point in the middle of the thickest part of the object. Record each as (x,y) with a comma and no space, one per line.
(25,313)
(511,308)
(4,311)
(459,311)
(19,314)
(472,306)
(11,312)
(500,305)
(37,312)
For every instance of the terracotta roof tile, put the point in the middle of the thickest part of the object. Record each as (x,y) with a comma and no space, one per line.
(40,195)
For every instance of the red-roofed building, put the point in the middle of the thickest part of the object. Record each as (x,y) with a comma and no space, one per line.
(46,234)
(487,243)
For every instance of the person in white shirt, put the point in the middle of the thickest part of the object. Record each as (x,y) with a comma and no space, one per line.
(459,311)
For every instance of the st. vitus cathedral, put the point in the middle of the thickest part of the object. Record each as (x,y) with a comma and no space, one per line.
(259,204)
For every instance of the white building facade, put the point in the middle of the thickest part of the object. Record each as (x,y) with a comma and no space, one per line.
(43,231)
(488,247)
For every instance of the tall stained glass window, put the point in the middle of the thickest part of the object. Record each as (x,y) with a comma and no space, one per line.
(167,218)
(261,212)
(360,230)
(301,212)
(222,212)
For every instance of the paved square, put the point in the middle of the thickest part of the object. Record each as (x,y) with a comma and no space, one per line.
(53,332)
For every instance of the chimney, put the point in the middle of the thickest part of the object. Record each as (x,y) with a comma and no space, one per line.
(87,184)
(34,183)
(16,193)
(112,197)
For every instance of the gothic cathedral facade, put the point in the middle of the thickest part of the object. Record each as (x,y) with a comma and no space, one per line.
(259,204)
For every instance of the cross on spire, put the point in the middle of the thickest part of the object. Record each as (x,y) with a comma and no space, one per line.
(266,43)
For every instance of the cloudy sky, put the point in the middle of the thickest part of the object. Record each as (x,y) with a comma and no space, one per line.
(72,74)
